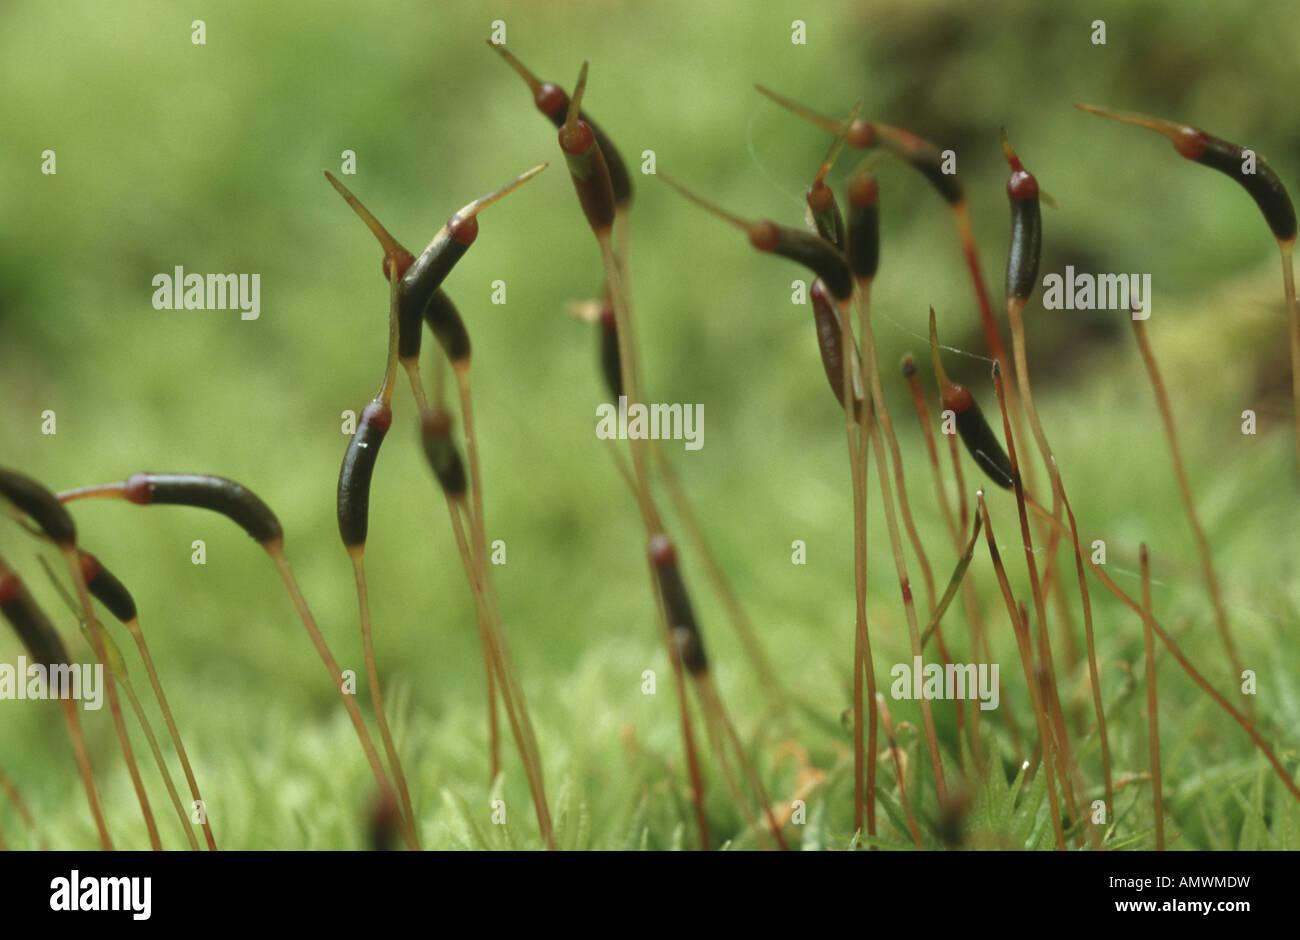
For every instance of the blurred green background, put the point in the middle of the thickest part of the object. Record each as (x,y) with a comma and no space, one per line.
(210,157)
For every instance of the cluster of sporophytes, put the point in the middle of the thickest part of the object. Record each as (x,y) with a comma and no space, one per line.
(1067,758)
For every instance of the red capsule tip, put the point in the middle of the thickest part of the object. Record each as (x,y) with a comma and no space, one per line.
(551,99)
(661,550)
(820,197)
(1022,185)
(864,191)
(577,140)
(1190,142)
(90,566)
(10,587)
(957,398)
(436,423)
(765,235)
(909,366)
(464,230)
(378,415)
(138,490)
(862,135)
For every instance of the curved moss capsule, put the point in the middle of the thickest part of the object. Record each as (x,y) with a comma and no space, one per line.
(812,251)
(919,153)
(611,366)
(423,280)
(922,156)
(863,252)
(553,102)
(233,500)
(38,636)
(977,435)
(590,174)
(1026,250)
(807,249)
(1263,185)
(357,470)
(620,180)
(107,589)
(40,505)
(683,628)
(440,450)
(826,216)
(447,326)
(830,346)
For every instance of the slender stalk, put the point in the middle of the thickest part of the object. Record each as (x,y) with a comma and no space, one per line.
(694,773)
(91,569)
(162,765)
(20,806)
(137,635)
(909,608)
(114,704)
(864,756)
(276,550)
(1189,502)
(79,752)
(650,516)
(712,703)
(954,453)
(862,300)
(932,450)
(1062,741)
(891,524)
(1287,247)
(912,826)
(357,554)
(974,618)
(1094,675)
(1194,674)
(740,621)
(1153,712)
(954,583)
(467,560)
(509,679)
(1027,661)
(511,693)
